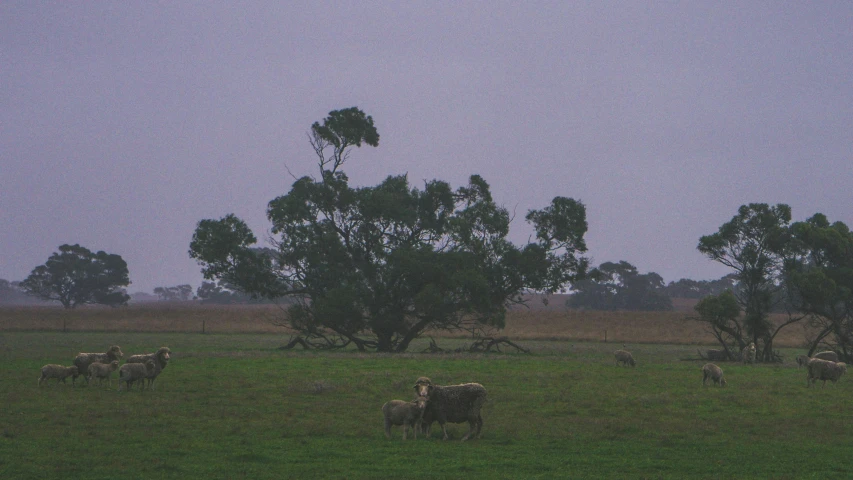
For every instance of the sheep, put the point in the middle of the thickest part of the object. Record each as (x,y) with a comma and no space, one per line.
(715,354)
(59,372)
(715,373)
(452,403)
(827,355)
(407,414)
(131,372)
(624,357)
(802,360)
(83,360)
(819,369)
(102,371)
(161,359)
(747,355)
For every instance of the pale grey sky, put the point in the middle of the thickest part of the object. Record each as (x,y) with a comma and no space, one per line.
(122,124)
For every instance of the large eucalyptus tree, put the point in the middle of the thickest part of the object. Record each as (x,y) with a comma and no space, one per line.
(377,266)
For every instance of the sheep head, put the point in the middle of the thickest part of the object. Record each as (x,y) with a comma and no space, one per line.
(420,403)
(423,385)
(163,355)
(115,351)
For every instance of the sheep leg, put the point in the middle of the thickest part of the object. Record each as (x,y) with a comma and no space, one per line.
(443,430)
(387,428)
(405,430)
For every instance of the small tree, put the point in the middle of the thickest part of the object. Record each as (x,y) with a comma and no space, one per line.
(376,266)
(720,313)
(76,276)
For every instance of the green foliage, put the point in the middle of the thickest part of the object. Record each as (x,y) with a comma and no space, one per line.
(376,266)
(232,406)
(76,276)
(754,243)
(820,278)
(618,286)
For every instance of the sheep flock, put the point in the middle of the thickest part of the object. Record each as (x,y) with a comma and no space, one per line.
(140,368)
(460,403)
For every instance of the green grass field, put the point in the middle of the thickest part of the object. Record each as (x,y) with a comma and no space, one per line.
(233,406)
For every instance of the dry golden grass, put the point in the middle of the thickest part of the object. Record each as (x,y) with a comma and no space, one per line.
(552,323)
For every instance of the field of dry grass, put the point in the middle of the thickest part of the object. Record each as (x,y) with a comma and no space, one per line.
(554,322)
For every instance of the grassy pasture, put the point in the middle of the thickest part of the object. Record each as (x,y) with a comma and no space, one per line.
(232,406)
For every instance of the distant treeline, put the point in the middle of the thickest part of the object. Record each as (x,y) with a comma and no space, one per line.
(613,286)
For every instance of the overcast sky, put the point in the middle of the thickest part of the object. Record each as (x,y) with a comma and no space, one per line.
(122,124)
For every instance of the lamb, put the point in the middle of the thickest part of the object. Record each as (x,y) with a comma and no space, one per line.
(715,373)
(802,360)
(161,359)
(747,355)
(407,414)
(819,369)
(131,372)
(83,360)
(452,403)
(102,371)
(624,357)
(59,372)
(827,355)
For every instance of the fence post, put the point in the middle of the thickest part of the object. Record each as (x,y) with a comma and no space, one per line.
(202,325)
(605,335)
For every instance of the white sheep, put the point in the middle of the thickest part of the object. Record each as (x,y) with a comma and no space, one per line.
(101,371)
(161,359)
(452,403)
(59,372)
(827,355)
(83,360)
(715,373)
(819,369)
(624,357)
(747,355)
(131,372)
(407,414)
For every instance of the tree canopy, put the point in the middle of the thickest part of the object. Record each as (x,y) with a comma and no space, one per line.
(820,278)
(377,266)
(754,244)
(76,276)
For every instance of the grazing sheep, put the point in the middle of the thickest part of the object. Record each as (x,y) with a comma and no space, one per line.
(59,372)
(715,373)
(131,372)
(407,414)
(715,354)
(747,355)
(102,371)
(827,355)
(161,359)
(819,369)
(452,403)
(802,360)
(83,360)
(624,357)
